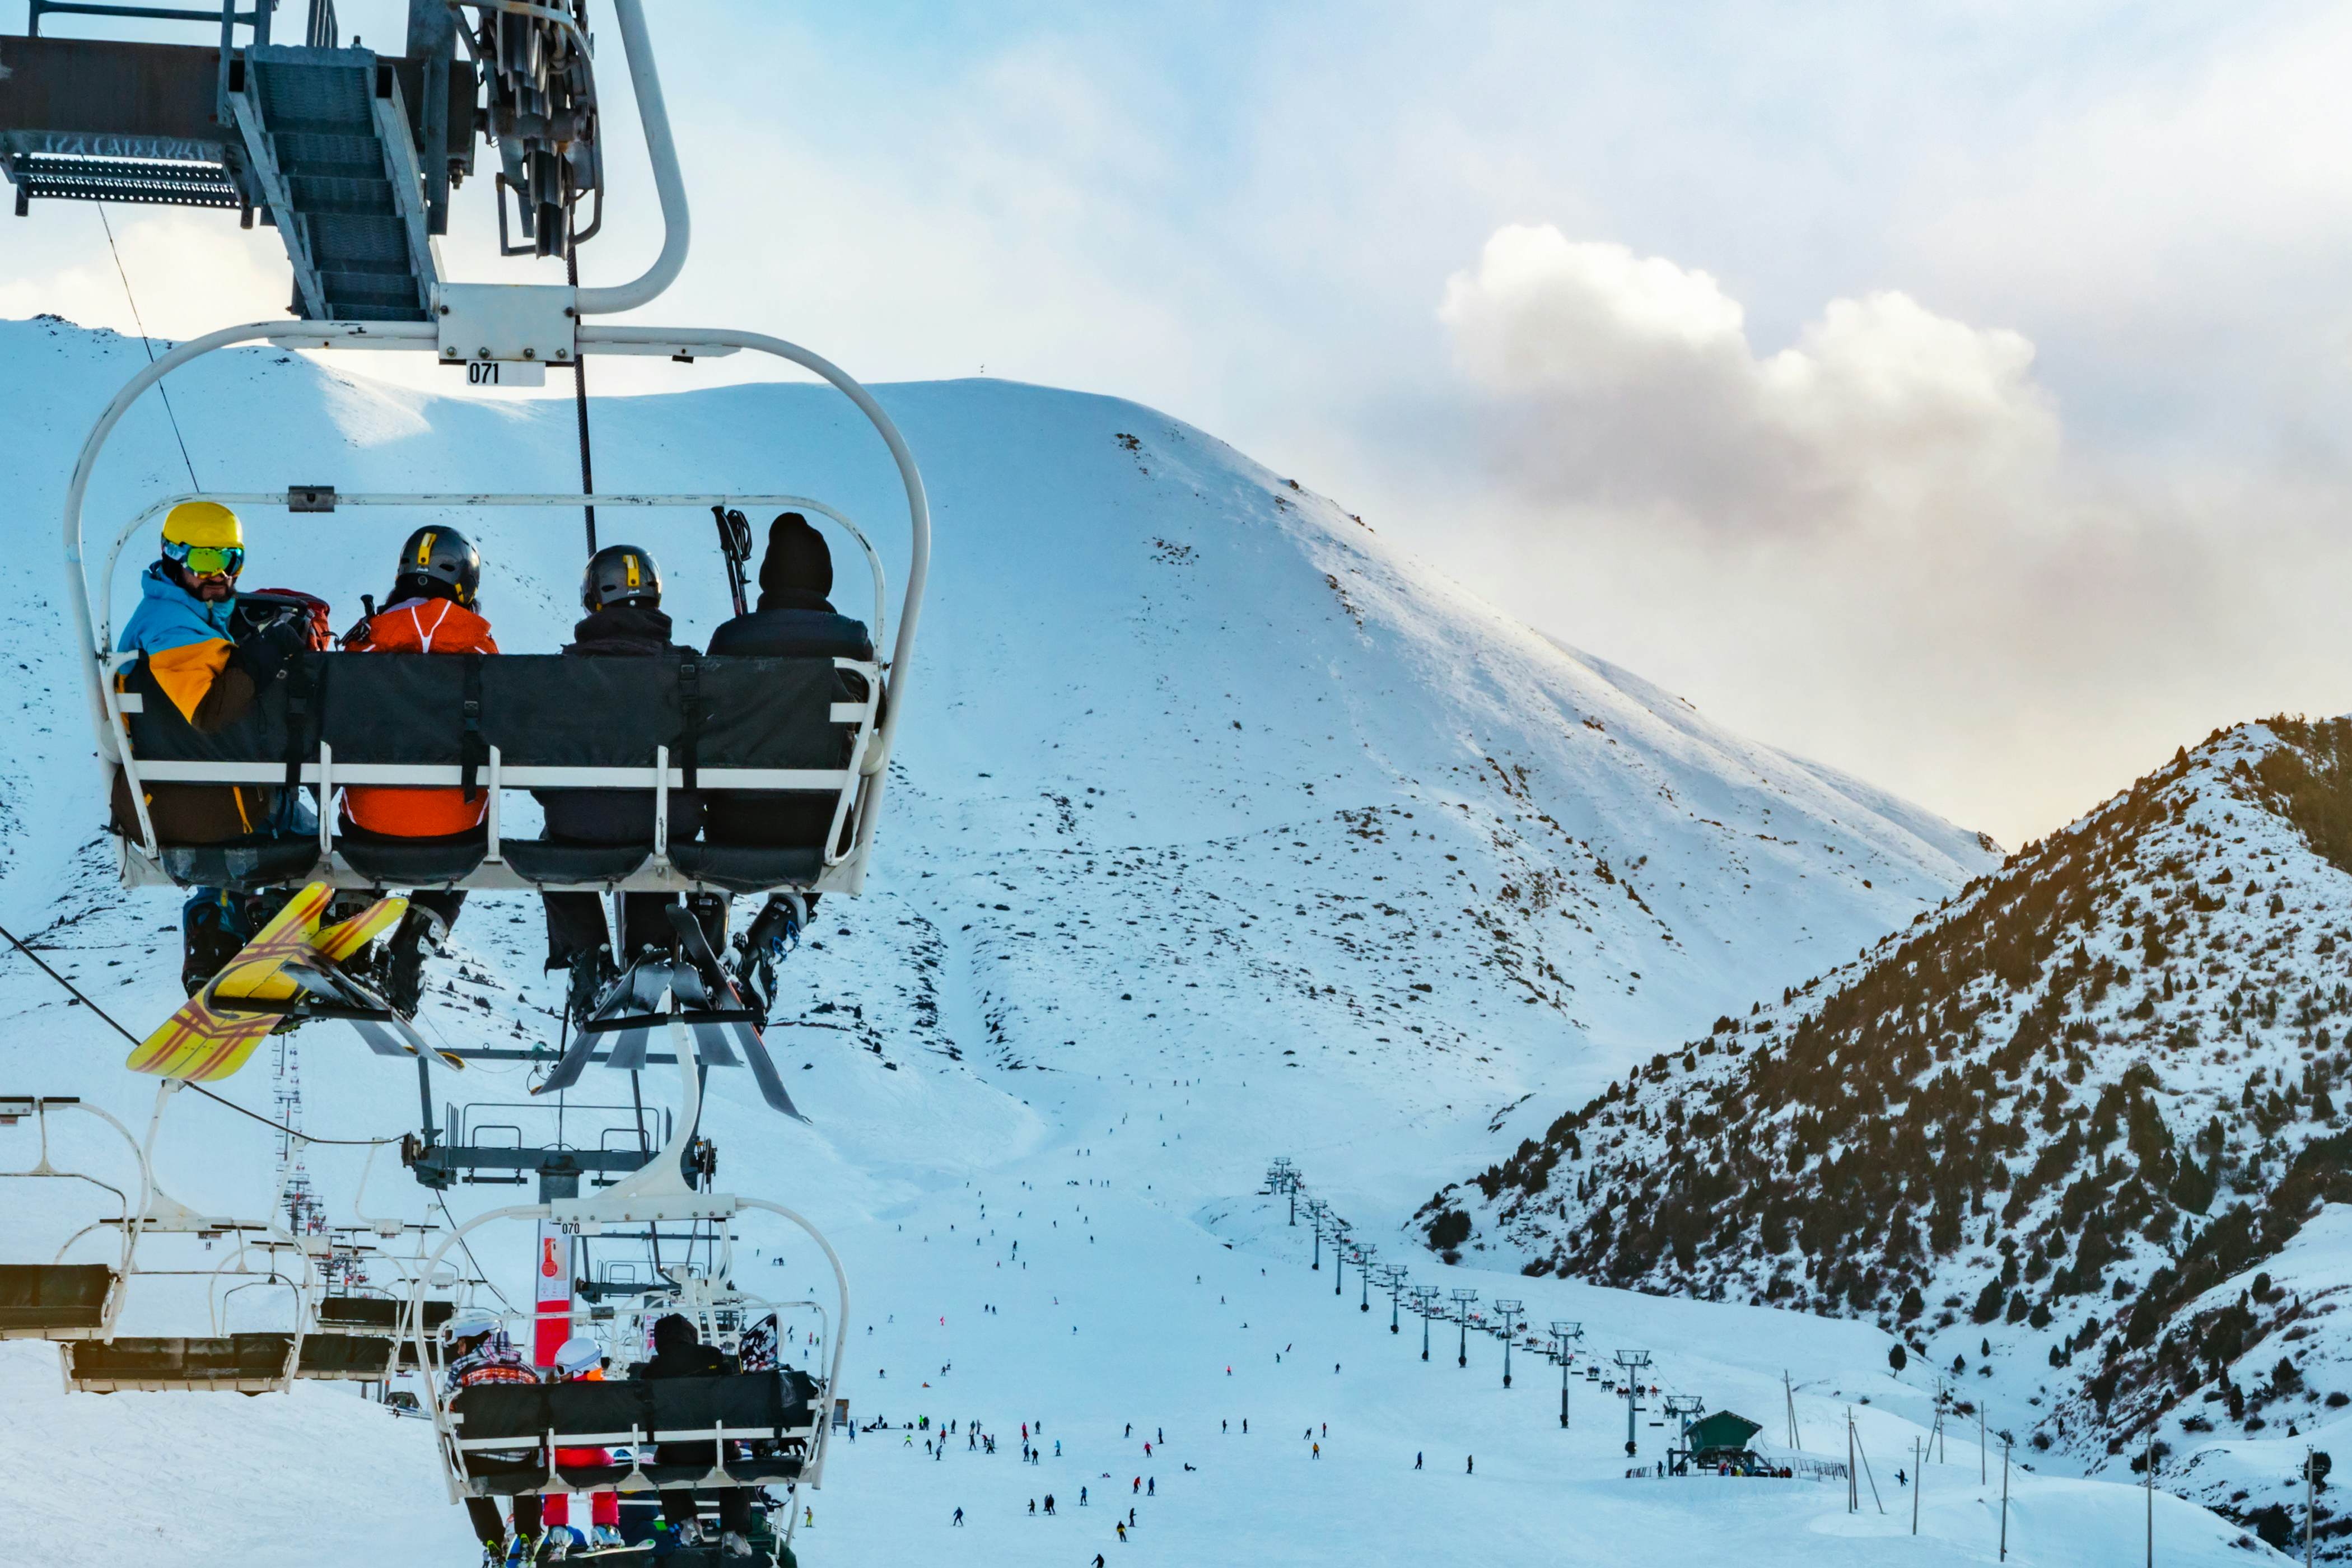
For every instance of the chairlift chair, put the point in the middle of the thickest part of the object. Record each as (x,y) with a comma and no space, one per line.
(501,1440)
(219,1360)
(58,1299)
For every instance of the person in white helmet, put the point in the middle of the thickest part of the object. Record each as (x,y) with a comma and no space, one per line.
(581,1359)
(481,1353)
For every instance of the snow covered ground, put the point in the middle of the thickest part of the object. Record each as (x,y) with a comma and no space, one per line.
(1221,832)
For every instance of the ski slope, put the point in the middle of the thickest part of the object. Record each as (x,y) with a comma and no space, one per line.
(1221,831)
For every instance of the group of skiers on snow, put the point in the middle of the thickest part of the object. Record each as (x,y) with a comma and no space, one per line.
(212,651)
(481,1352)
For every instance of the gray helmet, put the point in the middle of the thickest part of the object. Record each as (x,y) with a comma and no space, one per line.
(439,563)
(621,574)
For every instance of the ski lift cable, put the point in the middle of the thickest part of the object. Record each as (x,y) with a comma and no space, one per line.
(143,341)
(113,1023)
(479,1272)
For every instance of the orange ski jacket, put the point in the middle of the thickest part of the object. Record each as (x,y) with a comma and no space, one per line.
(418,626)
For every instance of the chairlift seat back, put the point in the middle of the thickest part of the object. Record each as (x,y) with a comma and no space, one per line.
(39,1300)
(248,1363)
(353,1358)
(502,1429)
(344,1313)
(556,722)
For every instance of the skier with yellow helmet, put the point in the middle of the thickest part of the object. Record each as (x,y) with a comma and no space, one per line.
(186,631)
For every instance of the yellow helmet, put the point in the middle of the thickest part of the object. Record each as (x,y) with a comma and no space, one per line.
(203,523)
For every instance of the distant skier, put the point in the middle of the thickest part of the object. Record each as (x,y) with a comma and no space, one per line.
(1082,1497)
(957,1521)
(1470,1463)
(1416,1459)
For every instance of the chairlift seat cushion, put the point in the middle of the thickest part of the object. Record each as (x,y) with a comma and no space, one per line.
(412,862)
(536,861)
(53,1295)
(246,865)
(750,867)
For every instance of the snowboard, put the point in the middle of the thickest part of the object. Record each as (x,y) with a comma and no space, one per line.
(201,1046)
(289,963)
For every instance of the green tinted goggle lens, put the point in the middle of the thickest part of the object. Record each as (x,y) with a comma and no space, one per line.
(208,560)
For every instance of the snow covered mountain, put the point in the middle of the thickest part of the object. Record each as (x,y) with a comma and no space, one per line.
(1220,831)
(1198,768)
(2075,1136)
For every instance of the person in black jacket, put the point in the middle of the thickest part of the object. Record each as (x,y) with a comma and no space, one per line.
(795,619)
(678,1351)
(621,591)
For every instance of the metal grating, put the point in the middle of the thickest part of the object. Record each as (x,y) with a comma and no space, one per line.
(154,182)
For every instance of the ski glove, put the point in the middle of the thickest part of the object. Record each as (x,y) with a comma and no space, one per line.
(265,655)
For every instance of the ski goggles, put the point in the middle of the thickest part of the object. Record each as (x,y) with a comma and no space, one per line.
(207,560)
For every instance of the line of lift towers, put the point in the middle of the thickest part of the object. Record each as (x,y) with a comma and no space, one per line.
(1504,1319)
(352,154)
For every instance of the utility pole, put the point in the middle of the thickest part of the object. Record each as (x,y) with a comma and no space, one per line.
(1510,1310)
(1789,1396)
(1424,1301)
(1981,1443)
(1565,1332)
(1681,1407)
(1918,1476)
(1392,1279)
(2150,1462)
(1461,1300)
(1340,1230)
(1364,1255)
(2307,1507)
(1633,1361)
(1284,1176)
(1853,1477)
(1315,1209)
(2004,1499)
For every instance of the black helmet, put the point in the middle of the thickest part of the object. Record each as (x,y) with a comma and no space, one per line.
(439,563)
(620,574)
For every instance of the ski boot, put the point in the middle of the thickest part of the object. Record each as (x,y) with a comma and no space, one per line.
(592,975)
(774,932)
(494,1552)
(403,983)
(212,931)
(606,1535)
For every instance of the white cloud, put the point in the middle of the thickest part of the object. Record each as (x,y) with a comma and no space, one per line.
(190,272)
(1626,378)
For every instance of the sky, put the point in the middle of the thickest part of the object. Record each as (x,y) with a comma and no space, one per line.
(1949,393)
